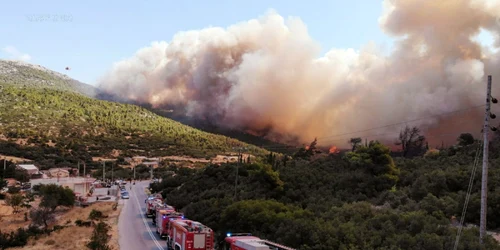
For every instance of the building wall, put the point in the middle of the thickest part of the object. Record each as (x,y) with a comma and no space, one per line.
(75,184)
(60,174)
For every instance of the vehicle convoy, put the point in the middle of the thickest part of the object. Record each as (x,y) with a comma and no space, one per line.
(184,234)
(245,241)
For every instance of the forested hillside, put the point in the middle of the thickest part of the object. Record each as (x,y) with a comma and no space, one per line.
(359,200)
(35,76)
(71,125)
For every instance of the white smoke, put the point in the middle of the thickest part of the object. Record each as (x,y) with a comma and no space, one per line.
(267,72)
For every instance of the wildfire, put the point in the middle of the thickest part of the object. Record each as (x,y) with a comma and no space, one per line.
(307,147)
(333,150)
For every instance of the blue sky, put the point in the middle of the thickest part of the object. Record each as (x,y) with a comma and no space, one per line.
(89,36)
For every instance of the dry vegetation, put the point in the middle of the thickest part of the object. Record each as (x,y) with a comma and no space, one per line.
(14,159)
(75,237)
(10,222)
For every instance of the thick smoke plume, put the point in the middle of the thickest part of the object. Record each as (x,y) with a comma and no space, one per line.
(267,74)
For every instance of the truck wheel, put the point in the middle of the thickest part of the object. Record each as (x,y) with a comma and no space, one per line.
(168,243)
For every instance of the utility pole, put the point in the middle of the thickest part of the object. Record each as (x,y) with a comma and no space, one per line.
(134,173)
(237,168)
(103,171)
(84,179)
(4,166)
(78,174)
(484,180)
(151,172)
(112,172)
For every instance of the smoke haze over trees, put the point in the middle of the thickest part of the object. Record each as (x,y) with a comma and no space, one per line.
(267,74)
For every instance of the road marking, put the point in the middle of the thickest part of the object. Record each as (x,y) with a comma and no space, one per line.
(146,224)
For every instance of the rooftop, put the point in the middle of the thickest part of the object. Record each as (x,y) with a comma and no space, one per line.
(190,226)
(28,166)
(58,170)
(63,180)
(256,244)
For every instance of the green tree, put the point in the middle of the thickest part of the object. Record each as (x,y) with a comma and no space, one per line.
(54,195)
(465,139)
(355,142)
(100,237)
(95,215)
(306,153)
(410,140)
(42,215)
(15,201)
(376,159)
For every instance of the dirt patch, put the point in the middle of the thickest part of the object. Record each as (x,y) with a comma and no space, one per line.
(22,141)
(72,237)
(184,158)
(113,222)
(14,159)
(4,209)
(116,153)
(10,222)
(75,237)
(50,143)
(102,159)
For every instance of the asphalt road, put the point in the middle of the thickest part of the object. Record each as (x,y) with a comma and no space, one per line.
(135,229)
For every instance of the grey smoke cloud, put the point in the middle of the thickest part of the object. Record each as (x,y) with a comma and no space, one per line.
(268,72)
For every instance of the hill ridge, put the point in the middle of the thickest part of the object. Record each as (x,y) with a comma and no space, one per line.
(21,73)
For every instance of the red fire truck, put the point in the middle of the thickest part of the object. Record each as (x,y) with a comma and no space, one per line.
(163,219)
(157,207)
(151,203)
(189,235)
(245,241)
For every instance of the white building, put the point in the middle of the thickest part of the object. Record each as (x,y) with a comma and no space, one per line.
(30,168)
(79,185)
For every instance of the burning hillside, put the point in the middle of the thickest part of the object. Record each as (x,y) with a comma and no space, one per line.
(333,150)
(267,75)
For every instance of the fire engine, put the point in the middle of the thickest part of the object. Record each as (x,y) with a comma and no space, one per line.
(151,203)
(184,234)
(157,207)
(163,219)
(245,241)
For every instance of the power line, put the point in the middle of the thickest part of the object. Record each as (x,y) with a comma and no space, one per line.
(403,122)
(392,133)
(374,136)
(281,146)
(467,197)
(378,135)
(427,137)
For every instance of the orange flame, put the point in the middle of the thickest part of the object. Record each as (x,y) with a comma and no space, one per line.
(307,147)
(333,150)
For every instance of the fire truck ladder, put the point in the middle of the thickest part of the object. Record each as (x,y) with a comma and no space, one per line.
(277,246)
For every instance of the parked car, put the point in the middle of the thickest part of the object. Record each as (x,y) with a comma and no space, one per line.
(125,195)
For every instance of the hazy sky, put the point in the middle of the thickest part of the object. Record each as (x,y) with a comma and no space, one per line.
(89,36)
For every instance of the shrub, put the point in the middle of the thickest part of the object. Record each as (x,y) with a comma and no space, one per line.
(95,215)
(50,242)
(100,237)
